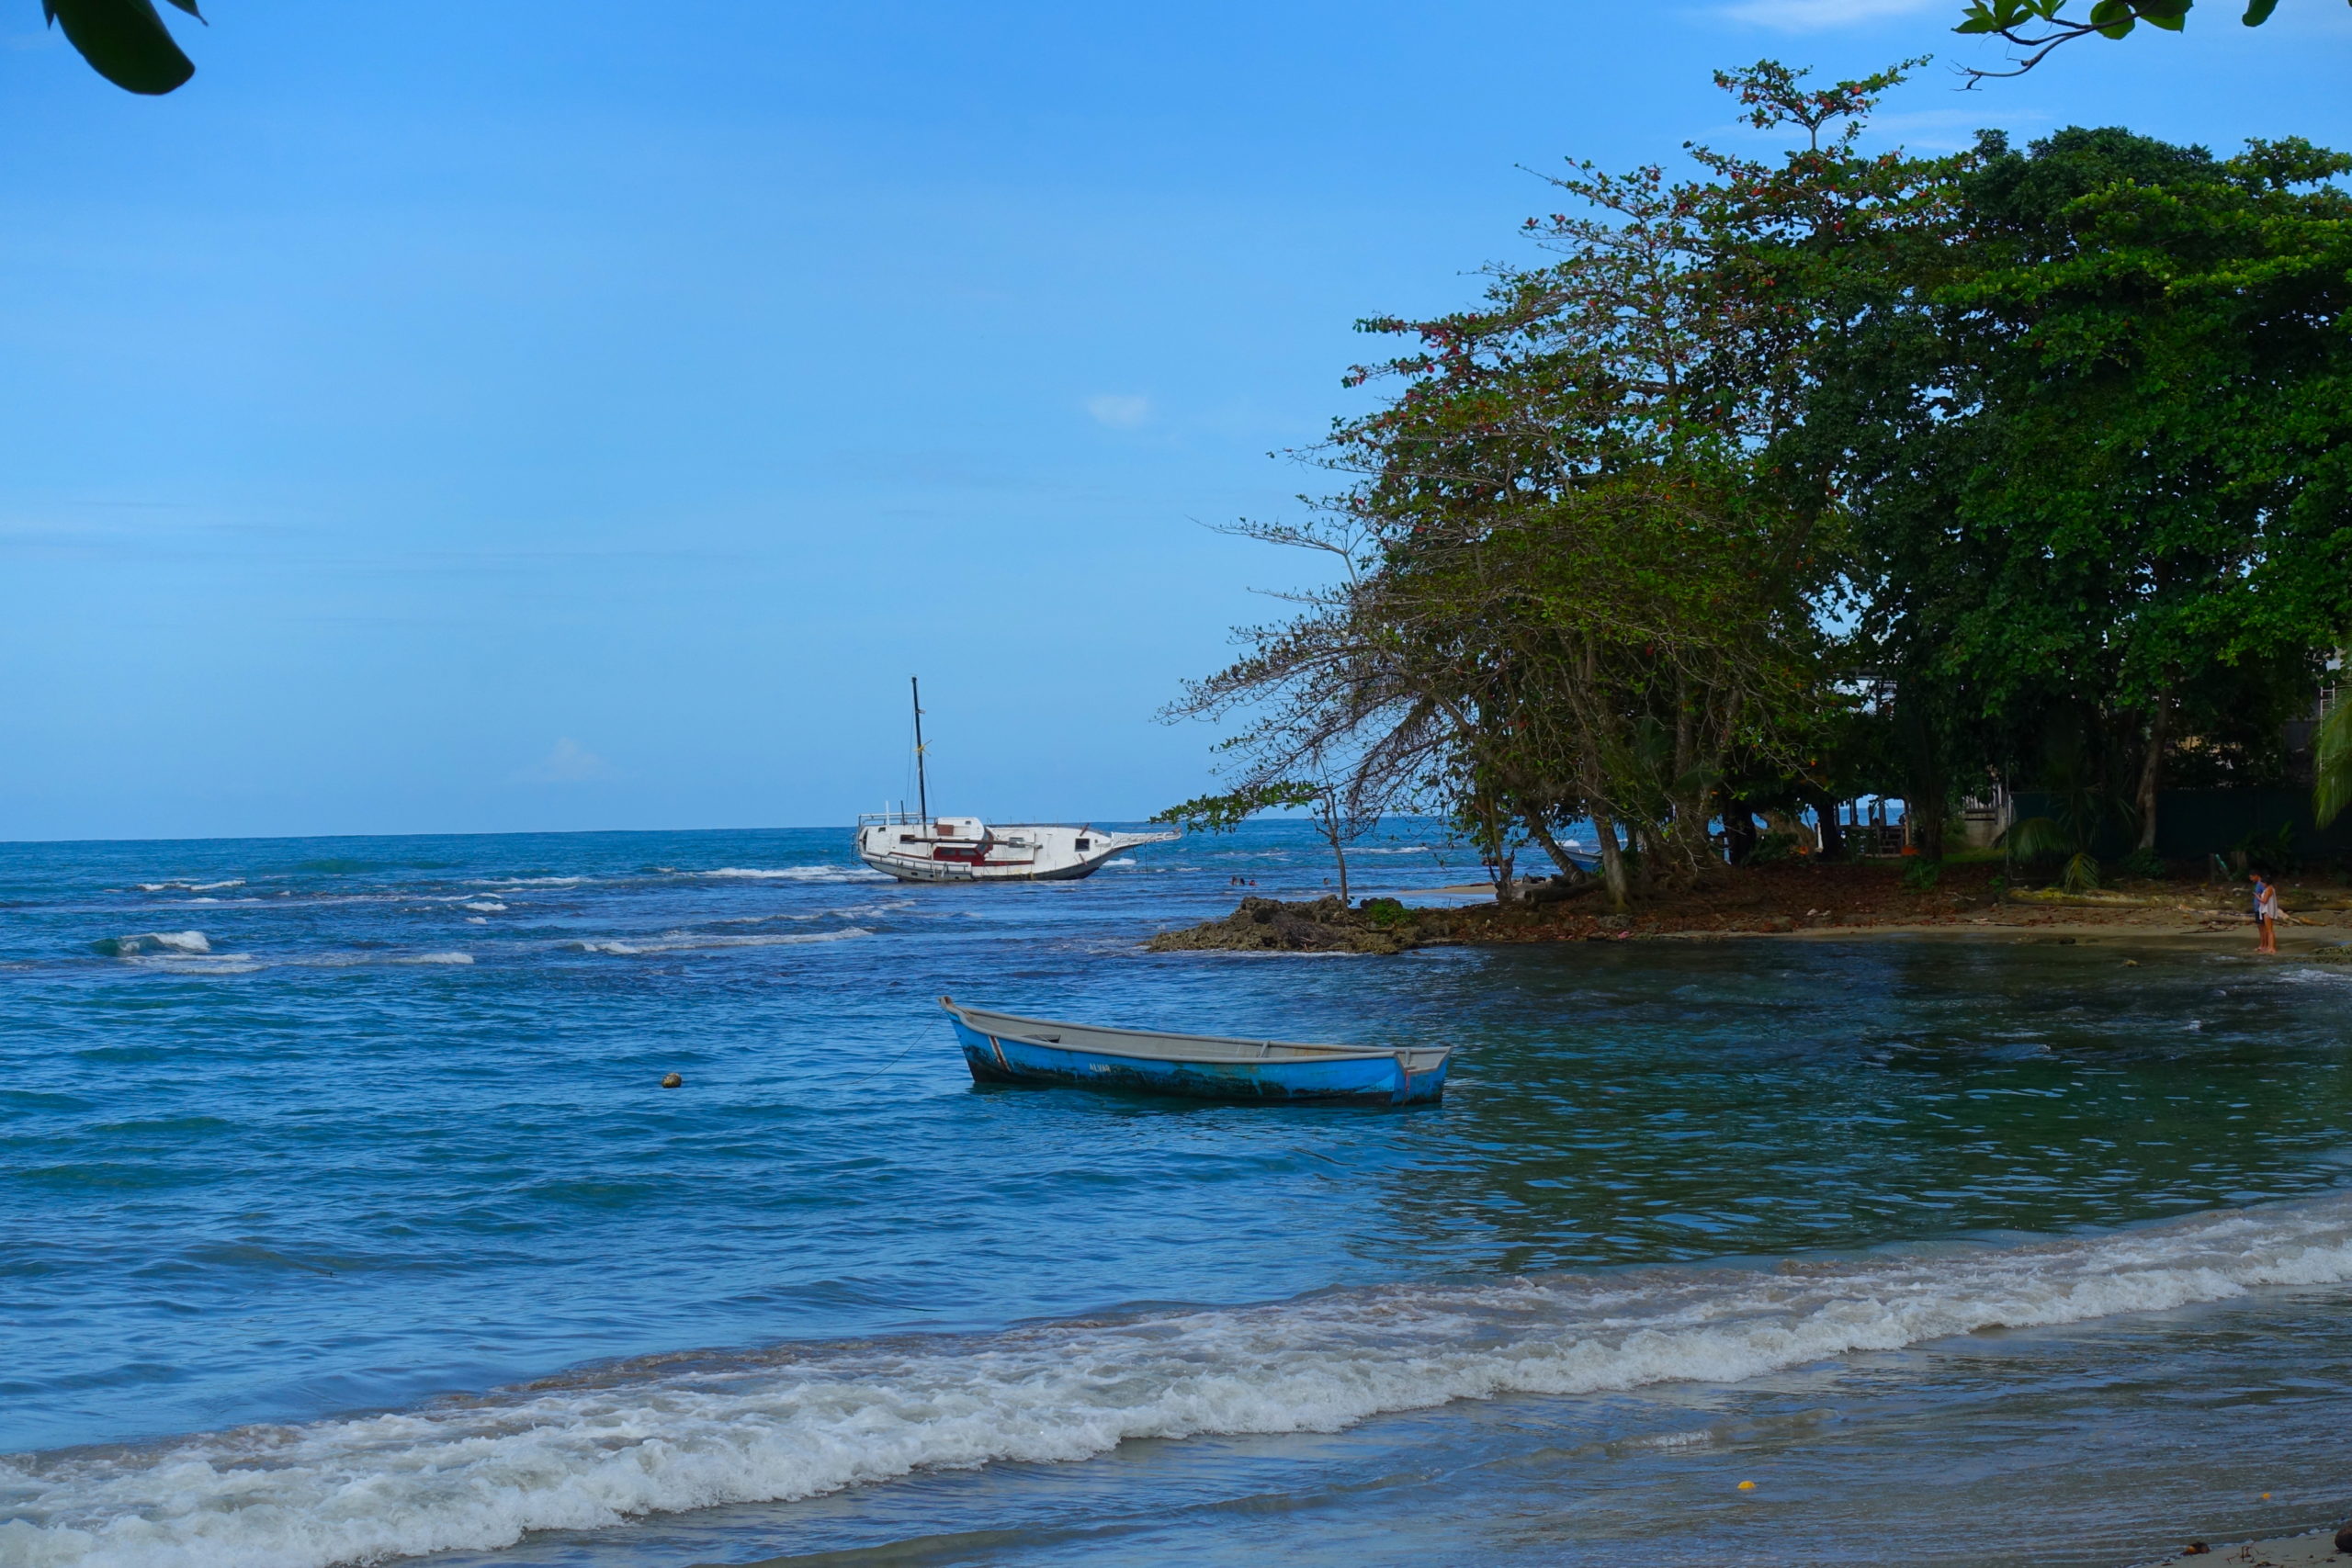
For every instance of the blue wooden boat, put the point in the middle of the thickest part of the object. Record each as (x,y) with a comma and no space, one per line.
(1002,1048)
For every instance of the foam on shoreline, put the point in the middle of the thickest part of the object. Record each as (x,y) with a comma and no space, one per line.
(595,1449)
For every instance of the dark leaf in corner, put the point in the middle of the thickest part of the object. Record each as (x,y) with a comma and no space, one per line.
(125,41)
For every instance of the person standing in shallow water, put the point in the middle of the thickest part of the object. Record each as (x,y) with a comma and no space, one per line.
(2265,912)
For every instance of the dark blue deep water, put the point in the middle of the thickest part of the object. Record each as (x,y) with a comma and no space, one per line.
(343,1218)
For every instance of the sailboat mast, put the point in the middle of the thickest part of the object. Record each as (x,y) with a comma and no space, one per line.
(923,791)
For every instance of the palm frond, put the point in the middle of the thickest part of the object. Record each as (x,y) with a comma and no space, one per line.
(2332,790)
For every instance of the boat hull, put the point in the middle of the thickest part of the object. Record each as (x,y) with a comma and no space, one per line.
(965,848)
(907,870)
(1374,1079)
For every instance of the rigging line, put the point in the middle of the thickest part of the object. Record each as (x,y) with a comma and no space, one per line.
(848,1083)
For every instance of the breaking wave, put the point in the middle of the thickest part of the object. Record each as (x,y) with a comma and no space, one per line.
(181,943)
(694,941)
(798,874)
(190,886)
(190,953)
(599,1447)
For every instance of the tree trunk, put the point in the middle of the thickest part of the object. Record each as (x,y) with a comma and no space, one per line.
(1832,833)
(1612,860)
(1331,832)
(1499,862)
(1739,830)
(1506,878)
(1541,834)
(1927,808)
(2152,767)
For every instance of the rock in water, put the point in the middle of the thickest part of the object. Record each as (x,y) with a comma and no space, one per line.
(1325,925)
(672,1080)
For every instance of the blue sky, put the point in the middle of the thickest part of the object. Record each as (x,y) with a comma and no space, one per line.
(445,416)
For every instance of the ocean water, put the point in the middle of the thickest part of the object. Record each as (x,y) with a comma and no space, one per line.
(342,1220)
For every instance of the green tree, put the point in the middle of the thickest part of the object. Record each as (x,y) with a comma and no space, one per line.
(124,40)
(2092,448)
(1570,591)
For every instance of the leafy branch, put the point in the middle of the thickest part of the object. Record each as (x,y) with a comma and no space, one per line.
(1223,813)
(2038,27)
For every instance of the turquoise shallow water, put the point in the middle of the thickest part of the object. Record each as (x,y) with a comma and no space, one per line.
(341,1217)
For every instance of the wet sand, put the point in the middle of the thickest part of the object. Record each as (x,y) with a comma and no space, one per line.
(2288,1551)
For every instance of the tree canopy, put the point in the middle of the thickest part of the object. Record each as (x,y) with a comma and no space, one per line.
(1836,473)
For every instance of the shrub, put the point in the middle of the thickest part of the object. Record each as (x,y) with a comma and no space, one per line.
(1921,874)
(2143,863)
(1772,847)
(1387,912)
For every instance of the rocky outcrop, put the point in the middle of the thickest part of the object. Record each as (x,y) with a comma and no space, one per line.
(1326,925)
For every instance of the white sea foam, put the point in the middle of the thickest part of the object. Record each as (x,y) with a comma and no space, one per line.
(190,886)
(153,942)
(487,906)
(189,952)
(844,912)
(636,1439)
(798,874)
(695,942)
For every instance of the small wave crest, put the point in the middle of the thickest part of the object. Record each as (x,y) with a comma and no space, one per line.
(190,886)
(633,1440)
(694,941)
(180,943)
(796,873)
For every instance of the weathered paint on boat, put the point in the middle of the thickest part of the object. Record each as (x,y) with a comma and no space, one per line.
(1004,1048)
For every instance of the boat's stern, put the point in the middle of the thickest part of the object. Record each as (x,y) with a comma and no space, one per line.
(1420,1077)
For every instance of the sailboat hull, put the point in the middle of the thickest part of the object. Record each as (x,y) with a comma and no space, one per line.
(963,849)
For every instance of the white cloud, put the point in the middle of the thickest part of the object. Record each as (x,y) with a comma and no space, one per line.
(570,763)
(1817,16)
(1120,411)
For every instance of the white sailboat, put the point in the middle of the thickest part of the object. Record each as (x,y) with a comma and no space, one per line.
(918,847)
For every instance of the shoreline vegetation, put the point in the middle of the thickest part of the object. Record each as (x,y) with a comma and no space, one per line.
(1801,897)
(2007,484)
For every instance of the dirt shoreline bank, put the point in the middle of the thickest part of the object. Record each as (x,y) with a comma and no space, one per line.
(2280,1552)
(1799,900)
